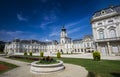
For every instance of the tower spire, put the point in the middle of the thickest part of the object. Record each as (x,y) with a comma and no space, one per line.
(63,28)
(63,35)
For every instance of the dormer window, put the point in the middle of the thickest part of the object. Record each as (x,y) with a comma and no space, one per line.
(102,12)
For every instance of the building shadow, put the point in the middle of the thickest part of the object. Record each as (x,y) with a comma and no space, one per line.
(114,74)
(91,74)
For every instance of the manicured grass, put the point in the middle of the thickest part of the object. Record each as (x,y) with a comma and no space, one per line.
(7,65)
(103,68)
(1,52)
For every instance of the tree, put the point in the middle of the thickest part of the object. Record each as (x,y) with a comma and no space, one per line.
(2,46)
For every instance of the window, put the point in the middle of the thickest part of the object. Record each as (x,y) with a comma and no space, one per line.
(84,45)
(102,12)
(75,50)
(110,21)
(115,49)
(99,23)
(101,35)
(112,33)
(87,44)
(62,41)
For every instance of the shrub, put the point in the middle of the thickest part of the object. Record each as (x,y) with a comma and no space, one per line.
(47,60)
(96,56)
(30,53)
(58,55)
(25,53)
(41,54)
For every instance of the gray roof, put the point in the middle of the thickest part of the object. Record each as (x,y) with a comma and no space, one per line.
(108,10)
(52,42)
(33,41)
(88,36)
(27,41)
(77,40)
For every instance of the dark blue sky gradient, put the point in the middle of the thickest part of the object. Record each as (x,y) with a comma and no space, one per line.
(43,19)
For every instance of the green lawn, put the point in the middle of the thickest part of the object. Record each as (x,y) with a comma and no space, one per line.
(103,68)
(10,66)
(1,52)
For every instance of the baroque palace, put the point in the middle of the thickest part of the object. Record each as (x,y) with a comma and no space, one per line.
(106,30)
(106,38)
(66,45)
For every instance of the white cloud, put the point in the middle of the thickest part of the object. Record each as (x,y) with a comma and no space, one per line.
(43,24)
(14,33)
(72,24)
(10,35)
(77,29)
(46,23)
(73,30)
(47,40)
(75,23)
(49,17)
(21,18)
(55,32)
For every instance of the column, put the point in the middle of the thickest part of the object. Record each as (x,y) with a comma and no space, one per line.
(119,48)
(98,49)
(109,48)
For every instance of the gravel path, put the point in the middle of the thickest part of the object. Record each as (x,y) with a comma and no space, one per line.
(24,70)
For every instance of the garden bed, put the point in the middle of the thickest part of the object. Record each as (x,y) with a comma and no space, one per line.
(4,66)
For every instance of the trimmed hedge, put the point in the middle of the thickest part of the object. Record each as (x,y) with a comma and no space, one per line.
(25,53)
(24,57)
(96,56)
(30,53)
(58,55)
(41,54)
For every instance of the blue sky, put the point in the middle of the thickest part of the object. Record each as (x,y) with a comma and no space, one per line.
(43,19)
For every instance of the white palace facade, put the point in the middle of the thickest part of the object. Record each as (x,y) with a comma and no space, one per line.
(106,30)
(66,45)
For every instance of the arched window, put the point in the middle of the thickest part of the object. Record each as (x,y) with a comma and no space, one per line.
(112,33)
(101,35)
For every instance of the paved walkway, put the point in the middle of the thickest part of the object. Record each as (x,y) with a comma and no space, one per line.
(24,70)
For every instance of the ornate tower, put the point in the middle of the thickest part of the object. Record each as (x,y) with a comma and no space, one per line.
(63,35)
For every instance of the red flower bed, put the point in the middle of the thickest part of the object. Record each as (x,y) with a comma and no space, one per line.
(3,67)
